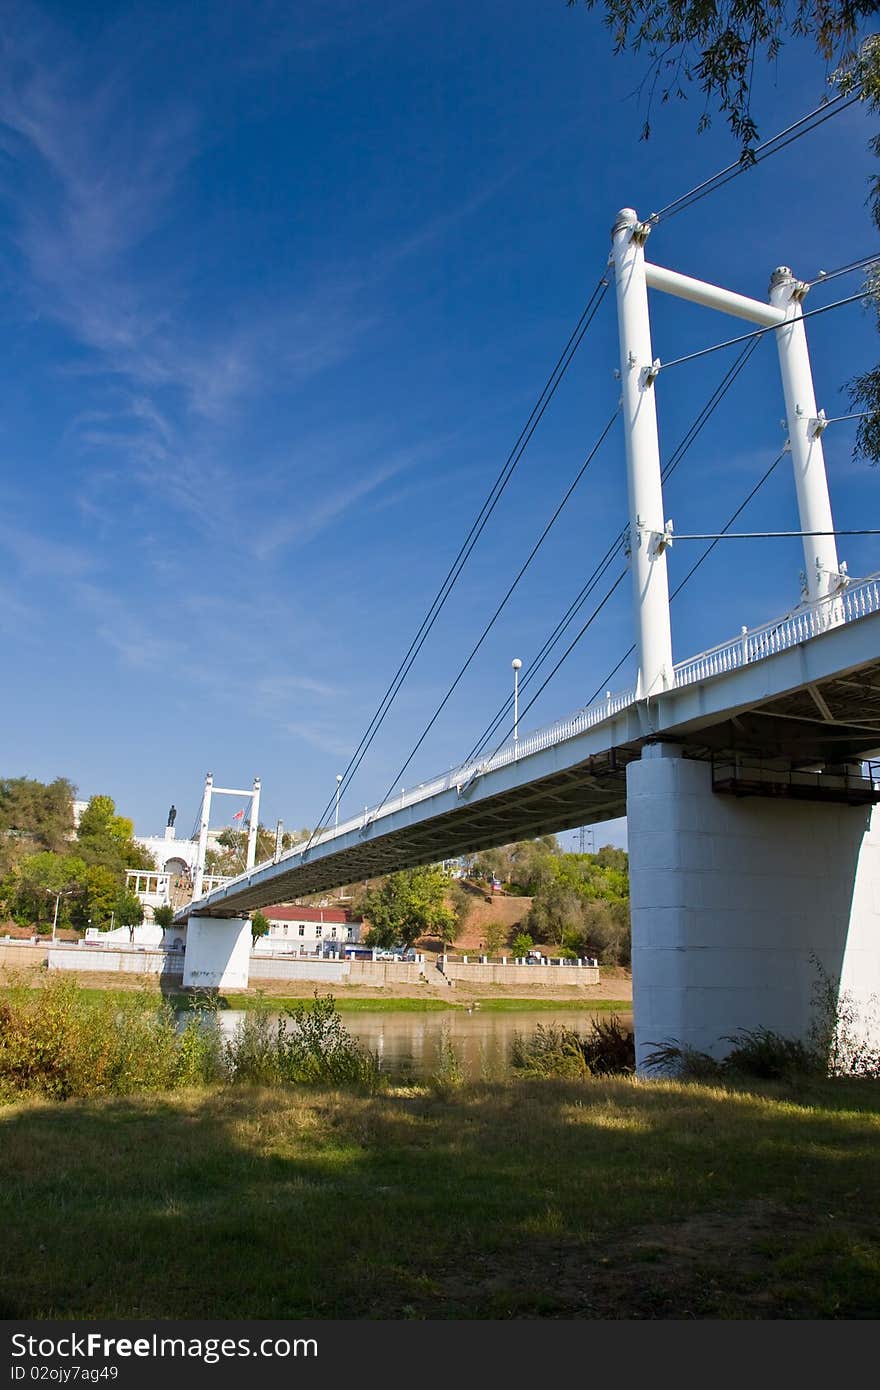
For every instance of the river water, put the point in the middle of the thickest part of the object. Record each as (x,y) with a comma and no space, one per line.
(410,1044)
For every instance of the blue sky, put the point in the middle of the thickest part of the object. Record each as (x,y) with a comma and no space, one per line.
(280,285)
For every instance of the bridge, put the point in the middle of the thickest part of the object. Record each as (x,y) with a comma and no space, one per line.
(745,772)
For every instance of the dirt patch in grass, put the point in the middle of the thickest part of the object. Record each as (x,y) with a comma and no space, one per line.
(763,1260)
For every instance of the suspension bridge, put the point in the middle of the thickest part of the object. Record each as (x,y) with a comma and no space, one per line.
(745,771)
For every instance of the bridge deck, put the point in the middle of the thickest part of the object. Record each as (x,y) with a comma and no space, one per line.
(789,692)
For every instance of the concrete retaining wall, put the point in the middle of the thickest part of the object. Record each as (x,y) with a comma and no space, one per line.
(101,960)
(21,957)
(326,971)
(350,972)
(557,976)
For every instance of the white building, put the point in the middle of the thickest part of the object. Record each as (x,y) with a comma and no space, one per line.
(308,931)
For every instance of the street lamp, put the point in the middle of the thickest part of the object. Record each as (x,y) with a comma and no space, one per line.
(338,785)
(517,666)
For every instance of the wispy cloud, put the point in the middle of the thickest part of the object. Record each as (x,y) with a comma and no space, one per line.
(41,555)
(89,179)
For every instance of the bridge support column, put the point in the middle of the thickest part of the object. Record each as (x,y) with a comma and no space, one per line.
(218,953)
(733,898)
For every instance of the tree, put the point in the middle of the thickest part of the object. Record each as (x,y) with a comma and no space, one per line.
(407,905)
(34,815)
(493,935)
(105,838)
(556,914)
(461,902)
(259,926)
(521,944)
(716,47)
(128,912)
(98,900)
(33,885)
(163,916)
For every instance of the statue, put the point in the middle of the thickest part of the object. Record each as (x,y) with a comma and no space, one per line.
(172,815)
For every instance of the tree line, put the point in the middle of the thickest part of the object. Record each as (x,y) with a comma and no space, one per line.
(48,862)
(579,902)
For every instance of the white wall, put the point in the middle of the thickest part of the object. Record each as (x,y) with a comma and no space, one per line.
(731,897)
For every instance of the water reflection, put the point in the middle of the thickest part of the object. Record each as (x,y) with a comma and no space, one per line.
(408,1044)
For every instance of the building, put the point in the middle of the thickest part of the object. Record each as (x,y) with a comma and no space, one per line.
(308,931)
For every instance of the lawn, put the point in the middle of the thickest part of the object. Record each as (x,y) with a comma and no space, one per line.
(597,1199)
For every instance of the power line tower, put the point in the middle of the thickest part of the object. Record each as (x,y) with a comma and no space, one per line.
(586,836)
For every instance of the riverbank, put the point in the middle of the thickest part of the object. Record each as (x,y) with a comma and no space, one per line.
(612,992)
(550,1199)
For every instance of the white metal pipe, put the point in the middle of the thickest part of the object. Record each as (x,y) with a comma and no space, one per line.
(231,791)
(199,875)
(712,296)
(252,828)
(646,522)
(821,565)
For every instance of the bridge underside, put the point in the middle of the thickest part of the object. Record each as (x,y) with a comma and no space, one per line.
(590,792)
(824,714)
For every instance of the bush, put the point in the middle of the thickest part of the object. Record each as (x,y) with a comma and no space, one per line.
(321,1051)
(678,1059)
(54,1042)
(449,1073)
(58,1043)
(757,1052)
(607,1049)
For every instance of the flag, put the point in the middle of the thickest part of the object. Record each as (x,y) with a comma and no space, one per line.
(238,815)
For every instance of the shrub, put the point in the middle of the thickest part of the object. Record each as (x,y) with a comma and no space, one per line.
(449,1073)
(521,945)
(675,1058)
(253,1053)
(607,1049)
(319,1050)
(761,1053)
(54,1042)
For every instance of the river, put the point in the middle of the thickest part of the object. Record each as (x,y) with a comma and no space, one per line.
(409,1044)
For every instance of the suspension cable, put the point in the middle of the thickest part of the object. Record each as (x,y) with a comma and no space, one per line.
(760,332)
(692,571)
(675,458)
(477,527)
(803,126)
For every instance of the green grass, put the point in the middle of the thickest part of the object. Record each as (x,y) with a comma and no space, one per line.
(377,1004)
(343,1004)
(552,1199)
(593,1006)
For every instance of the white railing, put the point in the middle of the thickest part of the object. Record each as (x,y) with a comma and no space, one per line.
(857,601)
(753,644)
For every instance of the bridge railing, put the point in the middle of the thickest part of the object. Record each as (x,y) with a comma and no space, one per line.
(858,600)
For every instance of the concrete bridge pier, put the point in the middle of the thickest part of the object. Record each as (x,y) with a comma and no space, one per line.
(218,953)
(732,897)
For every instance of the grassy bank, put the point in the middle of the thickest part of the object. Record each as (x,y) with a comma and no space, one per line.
(613,1198)
(353,1004)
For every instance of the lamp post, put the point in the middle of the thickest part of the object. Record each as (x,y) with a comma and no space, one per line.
(517,666)
(338,785)
(55,918)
